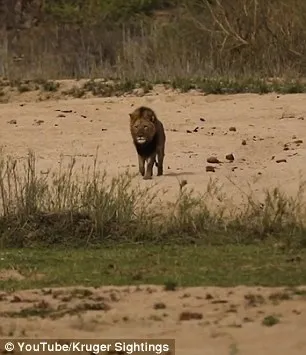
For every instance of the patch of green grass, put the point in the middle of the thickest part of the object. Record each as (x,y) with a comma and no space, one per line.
(217,86)
(44,310)
(214,85)
(146,86)
(253,300)
(220,86)
(170,285)
(279,296)
(297,292)
(103,88)
(75,92)
(183,265)
(50,86)
(269,321)
(23,88)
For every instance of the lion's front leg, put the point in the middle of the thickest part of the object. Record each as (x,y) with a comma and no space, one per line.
(141,163)
(149,171)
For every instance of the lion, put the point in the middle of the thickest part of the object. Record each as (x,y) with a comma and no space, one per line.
(149,139)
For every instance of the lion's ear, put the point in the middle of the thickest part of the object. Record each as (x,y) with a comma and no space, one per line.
(151,117)
(131,116)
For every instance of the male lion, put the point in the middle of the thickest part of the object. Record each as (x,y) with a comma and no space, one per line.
(149,140)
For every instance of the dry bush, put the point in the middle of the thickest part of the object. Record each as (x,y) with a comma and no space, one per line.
(253,36)
(198,39)
(66,208)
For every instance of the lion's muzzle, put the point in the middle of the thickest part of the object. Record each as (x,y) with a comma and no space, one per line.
(141,140)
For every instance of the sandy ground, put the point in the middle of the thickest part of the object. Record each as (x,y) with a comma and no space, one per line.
(267,124)
(273,128)
(202,320)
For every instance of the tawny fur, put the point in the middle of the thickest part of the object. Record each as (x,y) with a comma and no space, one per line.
(149,139)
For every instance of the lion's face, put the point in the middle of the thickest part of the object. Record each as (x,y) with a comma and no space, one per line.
(143,130)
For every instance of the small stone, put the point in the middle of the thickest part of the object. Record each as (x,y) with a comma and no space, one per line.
(286,147)
(210,168)
(230,157)
(244,142)
(38,122)
(213,160)
(184,316)
(281,161)
(232,129)
(159,305)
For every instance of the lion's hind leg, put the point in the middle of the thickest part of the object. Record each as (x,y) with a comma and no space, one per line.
(160,162)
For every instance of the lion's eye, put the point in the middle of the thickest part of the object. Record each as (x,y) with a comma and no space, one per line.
(145,127)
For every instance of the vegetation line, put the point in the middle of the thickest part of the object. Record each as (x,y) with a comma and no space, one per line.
(156,41)
(70,209)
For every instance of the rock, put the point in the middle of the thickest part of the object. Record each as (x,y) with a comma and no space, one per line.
(210,168)
(281,161)
(38,122)
(213,160)
(186,315)
(232,129)
(243,142)
(286,147)
(230,157)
